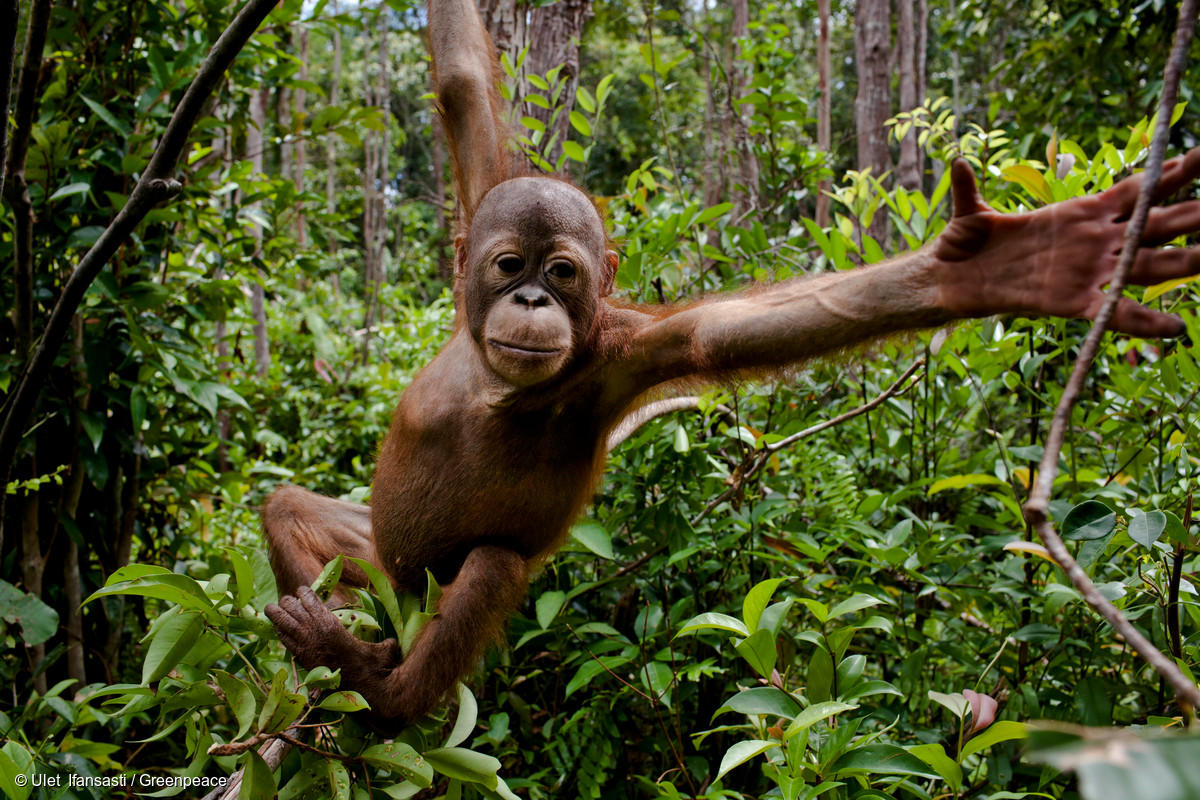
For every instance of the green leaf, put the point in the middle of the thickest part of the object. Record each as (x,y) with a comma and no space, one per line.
(281,707)
(1088,520)
(585,100)
(580,123)
(760,700)
(881,759)
(1002,731)
(759,651)
(468,715)
(548,606)
(956,703)
(345,701)
(106,115)
(258,781)
(533,124)
(1030,179)
(590,669)
(712,212)
(464,765)
(382,585)
(963,481)
(70,189)
(713,620)
(851,604)
(179,589)
(757,600)
(402,759)
(38,621)
(327,581)
(573,151)
(817,712)
(742,752)
(935,756)
(1146,526)
(15,760)
(594,536)
(819,678)
(172,639)
(240,698)
(657,677)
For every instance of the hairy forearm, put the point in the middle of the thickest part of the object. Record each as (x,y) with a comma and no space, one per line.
(458,42)
(464,78)
(787,323)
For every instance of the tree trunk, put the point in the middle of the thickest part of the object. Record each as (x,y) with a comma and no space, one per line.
(16,189)
(374,157)
(554,35)
(824,109)
(299,149)
(908,170)
(72,573)
(955,101)
(505,21)
(330,149)
(872,105)
(746,196)
(258,301)
(9,14)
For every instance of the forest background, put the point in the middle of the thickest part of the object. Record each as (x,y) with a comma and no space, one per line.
(752,606)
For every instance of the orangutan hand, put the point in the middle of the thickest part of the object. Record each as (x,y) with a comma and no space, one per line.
(1056,261)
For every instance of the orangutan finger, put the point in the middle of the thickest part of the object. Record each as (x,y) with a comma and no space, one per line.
(1155,266)
(1177,173)
(1137,320)
(1168,222)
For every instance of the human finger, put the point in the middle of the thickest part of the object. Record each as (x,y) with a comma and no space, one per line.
(1137,320)
(1165,223)
(1177,173)
(1155,266)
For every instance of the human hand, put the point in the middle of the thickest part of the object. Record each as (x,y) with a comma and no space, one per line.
(1056,261)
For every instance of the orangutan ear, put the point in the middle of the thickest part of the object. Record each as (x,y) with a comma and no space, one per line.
(460,257)
(609,275)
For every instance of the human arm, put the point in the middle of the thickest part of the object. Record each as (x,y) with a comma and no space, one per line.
(1049,262)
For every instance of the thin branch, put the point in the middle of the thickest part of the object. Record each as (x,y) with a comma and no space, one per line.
(898,387)
(156,185)
(760,457)
(1037,509)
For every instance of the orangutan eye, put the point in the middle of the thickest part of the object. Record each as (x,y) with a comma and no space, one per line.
(562,270)
(510,265)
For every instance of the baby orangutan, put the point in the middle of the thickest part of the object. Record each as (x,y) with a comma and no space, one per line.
(498,443)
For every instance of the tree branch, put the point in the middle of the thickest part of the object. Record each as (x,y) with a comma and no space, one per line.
(1037,509)
(760,457)
(156,185)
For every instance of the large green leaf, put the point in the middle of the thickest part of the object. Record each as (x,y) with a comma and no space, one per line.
(882,759)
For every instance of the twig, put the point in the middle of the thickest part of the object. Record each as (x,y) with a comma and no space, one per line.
(156,184)
(760,457)
(1037,509)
